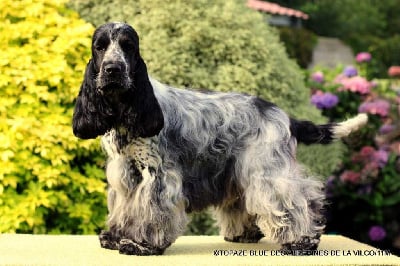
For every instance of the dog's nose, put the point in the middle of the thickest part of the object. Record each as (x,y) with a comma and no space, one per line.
(112,68)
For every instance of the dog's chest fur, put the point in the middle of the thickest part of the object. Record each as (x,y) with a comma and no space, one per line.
(141,160)
(129,164)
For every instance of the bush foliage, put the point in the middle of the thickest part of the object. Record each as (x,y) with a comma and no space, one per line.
(299,44)
(385,53)
(49,181)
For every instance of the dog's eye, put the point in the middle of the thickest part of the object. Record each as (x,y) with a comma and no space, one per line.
(127,45)
(101,48)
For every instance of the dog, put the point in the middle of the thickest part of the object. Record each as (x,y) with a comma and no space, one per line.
(174,151)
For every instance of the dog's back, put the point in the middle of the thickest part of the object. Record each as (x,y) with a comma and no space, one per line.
(206,135)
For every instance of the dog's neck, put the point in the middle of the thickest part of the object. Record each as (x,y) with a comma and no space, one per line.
(123,137)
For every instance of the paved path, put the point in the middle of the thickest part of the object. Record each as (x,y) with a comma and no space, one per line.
(329,52)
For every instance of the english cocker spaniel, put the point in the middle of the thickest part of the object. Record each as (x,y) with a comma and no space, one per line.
(173,151)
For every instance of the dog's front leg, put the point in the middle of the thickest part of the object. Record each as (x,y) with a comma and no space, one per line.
(111,240)
(146,218)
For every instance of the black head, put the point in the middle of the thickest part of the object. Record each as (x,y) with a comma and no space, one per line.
(115,53)
(116,91)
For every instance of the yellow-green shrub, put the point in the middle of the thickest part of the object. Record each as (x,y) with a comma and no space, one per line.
(49,180)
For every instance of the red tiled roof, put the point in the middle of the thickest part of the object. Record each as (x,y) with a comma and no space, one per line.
(275,9)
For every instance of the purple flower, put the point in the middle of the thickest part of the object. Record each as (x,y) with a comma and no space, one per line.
(375,107)
(324,100)
(318,77)
(377,233)
(381,157)
(363,57)
(350,71)
(384,129)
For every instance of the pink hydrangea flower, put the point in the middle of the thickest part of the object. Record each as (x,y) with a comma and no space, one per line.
(376,107)
(339,78)
(350,177)
(371,169)
(318,77)
(363,57)
(355,84)
(367,151)
(394,71)
(395,147)
(369,155)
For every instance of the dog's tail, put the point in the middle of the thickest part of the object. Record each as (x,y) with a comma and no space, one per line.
(308,133)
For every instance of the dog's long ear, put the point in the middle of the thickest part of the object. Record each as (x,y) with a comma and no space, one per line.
(149,116)
(92,117)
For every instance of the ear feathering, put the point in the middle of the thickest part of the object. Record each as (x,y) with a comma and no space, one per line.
(149,117)
(92,117)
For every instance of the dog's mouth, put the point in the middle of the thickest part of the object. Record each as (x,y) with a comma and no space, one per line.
(109,87)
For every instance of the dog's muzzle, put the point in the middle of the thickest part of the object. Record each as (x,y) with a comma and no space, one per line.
(113,78)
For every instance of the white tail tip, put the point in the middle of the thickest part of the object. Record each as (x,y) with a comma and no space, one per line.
(344,128)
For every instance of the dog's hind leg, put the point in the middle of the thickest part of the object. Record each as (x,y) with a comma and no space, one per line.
(286,202)
(288,210)
(307,244)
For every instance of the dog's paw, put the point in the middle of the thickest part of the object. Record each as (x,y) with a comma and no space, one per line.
(251,235)
(129,247)
(305,247)
(108,241)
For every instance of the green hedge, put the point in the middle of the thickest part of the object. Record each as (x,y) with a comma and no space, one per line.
(385,53)
(299,43)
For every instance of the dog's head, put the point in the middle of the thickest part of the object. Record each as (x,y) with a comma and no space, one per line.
(115,53)
(116,91)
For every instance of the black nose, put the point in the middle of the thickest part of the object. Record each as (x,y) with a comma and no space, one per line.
(112,68)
